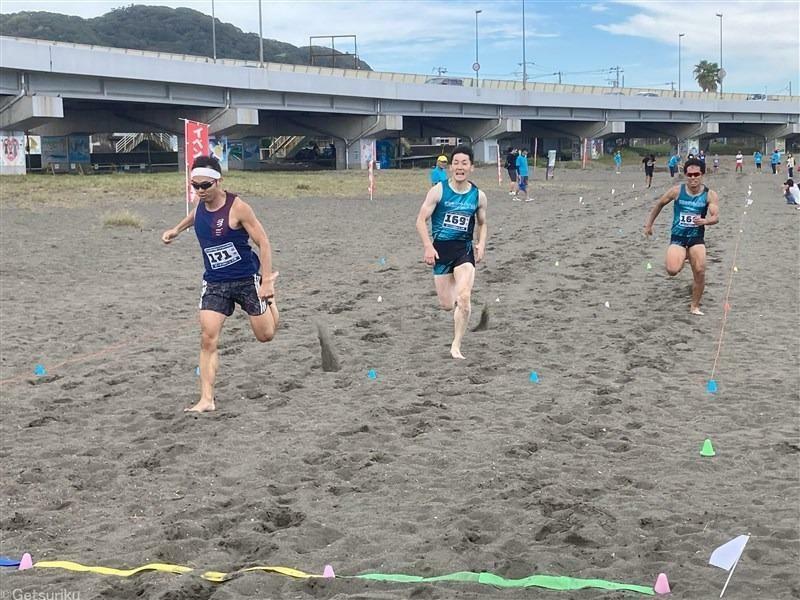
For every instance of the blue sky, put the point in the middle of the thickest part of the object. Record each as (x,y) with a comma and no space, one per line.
(761,45)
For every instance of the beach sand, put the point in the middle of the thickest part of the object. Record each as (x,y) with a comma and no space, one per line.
(436,465)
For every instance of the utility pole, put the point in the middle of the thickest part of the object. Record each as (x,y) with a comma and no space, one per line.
(721,70)
(260,37)
(524,64)
(559,73)
(680,35)
(477,66)
(213,32)
(440,70)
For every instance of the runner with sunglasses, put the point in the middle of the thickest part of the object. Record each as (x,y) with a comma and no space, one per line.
(234,274)
(695,207)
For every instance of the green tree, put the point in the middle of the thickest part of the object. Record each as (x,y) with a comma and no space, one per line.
(707,75)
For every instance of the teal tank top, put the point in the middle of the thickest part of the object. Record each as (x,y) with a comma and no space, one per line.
(454,215)
(686,208)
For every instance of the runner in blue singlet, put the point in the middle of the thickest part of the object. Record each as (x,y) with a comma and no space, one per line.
(454,207)
(695,207)
(234,273)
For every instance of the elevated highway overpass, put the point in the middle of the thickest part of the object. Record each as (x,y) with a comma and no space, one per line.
(57,89)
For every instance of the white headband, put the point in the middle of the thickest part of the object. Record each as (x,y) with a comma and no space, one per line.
(206,172)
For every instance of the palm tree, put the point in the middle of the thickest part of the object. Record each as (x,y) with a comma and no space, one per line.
(707,75)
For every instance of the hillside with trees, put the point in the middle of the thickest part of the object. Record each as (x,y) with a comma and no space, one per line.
(160,29)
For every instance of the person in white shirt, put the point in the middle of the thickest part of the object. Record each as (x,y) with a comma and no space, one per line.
(791,192)
(739,161)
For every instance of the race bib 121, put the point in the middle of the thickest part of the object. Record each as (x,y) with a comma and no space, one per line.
(222,256)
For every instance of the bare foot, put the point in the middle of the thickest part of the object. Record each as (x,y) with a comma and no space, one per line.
(695,310)
(456,352)
(202,406)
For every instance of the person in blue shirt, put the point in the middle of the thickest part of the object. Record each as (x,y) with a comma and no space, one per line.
(695,207)
(673,164)
(757,159)
(234,274)
(454,208)
(522,177)
(618,160)
(775,162)
(439,172)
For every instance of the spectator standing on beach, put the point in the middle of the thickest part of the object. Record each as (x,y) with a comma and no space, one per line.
(511,168)
(439,172)
(757,156)
(791,192)
(454,208)
(702,157)
(775,161)
(649,163)
(673,163)
(716,163)
(790,164)
(739,162)
(695,207)
(522,177)
(234,273)
(618,161)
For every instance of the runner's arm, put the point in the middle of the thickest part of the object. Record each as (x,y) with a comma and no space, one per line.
(426,210)
(483,228)
(247,218)
(712,215)
(668,197)
(186,222)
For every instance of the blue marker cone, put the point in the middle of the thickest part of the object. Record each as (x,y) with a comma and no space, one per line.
(381,261)
(372,374)
(197,371)
(711,387)
(39,371)
(534,378)
(8,562)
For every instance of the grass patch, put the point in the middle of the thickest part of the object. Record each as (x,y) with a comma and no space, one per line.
(302,186)
(123,218)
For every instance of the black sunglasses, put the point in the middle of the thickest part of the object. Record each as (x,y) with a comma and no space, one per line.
(203,186)
(693,174)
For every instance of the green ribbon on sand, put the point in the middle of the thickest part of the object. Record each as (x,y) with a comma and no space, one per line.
(549,582)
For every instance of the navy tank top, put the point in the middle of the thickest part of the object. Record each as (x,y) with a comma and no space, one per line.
(226,252)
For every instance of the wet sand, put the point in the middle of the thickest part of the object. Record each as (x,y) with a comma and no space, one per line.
(436,465)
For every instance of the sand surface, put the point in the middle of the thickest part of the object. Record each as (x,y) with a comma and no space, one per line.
(436,465)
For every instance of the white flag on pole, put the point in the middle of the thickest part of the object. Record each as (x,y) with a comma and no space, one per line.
(725,556)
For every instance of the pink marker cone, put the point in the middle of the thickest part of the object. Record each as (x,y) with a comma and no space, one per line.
(662,585)
(328,573)
(26,562)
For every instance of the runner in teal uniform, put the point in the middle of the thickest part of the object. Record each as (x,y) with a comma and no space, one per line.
(695,207)
(454,208)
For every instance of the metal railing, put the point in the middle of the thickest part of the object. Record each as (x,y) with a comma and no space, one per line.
(410,78)
(130,140)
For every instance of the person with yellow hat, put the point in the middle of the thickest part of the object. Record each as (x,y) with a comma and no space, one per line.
(439,172)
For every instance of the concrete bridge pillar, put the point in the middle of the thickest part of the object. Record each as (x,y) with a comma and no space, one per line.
(23,113)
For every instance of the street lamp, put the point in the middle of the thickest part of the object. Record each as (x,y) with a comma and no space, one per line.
(524,63)
(213,32)
(721,70)
(477,66)
(680,35)
(260,37)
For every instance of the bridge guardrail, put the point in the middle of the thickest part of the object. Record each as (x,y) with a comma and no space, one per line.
(409,78)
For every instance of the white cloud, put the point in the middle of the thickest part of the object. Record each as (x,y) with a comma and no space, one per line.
(759,44)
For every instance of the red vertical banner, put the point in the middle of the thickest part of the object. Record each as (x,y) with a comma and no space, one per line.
(584,152)
(195,144)
(371,168)
(535,154)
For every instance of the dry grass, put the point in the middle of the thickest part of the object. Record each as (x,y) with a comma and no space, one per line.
(123,218)
(120,189)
